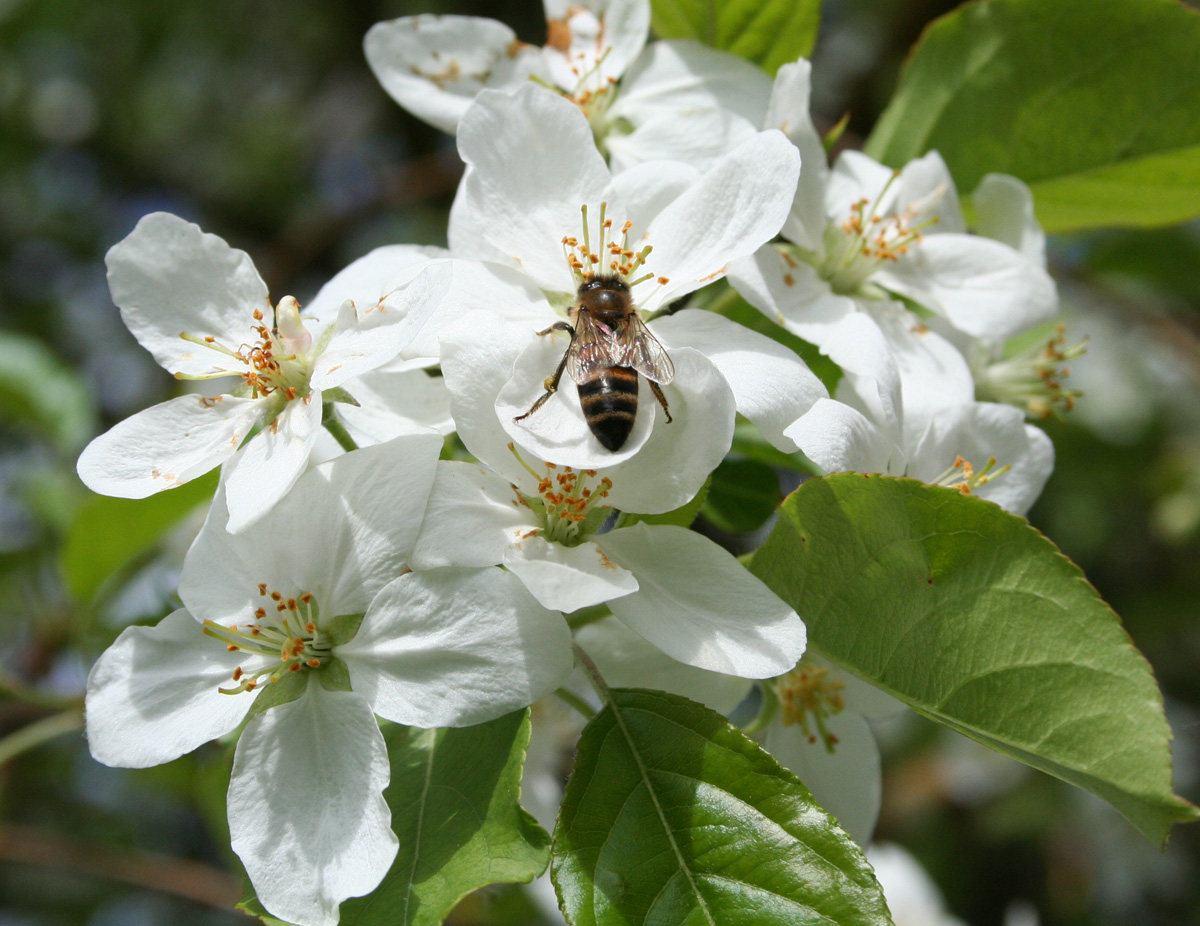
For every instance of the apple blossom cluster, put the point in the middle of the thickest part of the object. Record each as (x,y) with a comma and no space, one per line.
(353,567)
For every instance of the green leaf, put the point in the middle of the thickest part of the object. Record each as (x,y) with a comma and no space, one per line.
(974,619)
(1099,112)
(744,494)
(454,806)
(673,815)
(767,32)
(43,394)
(109,533)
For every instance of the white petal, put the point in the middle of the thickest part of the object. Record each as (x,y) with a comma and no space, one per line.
(169,277)
(682,74)
(854,177)
(567,578)
(473,516)
(152,696)
(454,647)
(1004,212)
(687,102)
(698,136)
(647,189)
(983,287)
(434,66)
(306,810)
(167,445)
(269,465)
(375,278)
(395,403)
(343,532)
(771,385)
(731,211)
(982,430)
(791,294)
(845,782)
(534,164)
(697,604)
(933,372)
(627,660)
(839,439)
(503,292)
(788,112)
(925,185)
(383,328)
(477,360)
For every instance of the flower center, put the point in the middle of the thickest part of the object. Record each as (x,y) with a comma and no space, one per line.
(278,361)
(611,258)
(284,629)
(1033,379)
(866,240)
(808,696)
(568,502)
(579,38)
(964,477)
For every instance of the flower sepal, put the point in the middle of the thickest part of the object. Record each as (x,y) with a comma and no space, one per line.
(342,629)
(338,394)
(284,690)
(334,675)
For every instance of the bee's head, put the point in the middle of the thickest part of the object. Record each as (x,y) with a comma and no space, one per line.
(604,294)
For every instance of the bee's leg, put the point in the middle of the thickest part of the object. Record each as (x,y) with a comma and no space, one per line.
(662,399)
(550,383)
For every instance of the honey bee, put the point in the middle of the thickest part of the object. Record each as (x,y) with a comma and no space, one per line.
(610,345)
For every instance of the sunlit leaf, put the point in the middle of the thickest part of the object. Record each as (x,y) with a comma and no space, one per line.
(1096,108)
(674,816)
(974,619)
(110,533)
(767,32)
(454,805)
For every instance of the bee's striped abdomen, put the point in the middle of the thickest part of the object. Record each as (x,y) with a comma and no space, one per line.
(609,399)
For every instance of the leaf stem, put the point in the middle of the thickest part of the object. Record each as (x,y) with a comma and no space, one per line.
(21,692)
(333,424)
(38,732)
(576,702)
(592,673)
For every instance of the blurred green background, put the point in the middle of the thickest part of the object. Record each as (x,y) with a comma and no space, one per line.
(260,121)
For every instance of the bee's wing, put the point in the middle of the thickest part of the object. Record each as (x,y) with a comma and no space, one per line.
(636,347)
(591,349)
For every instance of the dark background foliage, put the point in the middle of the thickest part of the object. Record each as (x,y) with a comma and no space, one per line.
(259,120)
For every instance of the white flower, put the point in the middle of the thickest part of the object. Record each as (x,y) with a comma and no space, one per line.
(403,394)
(978,447)
(860,234)
(675,588)
(307,627)
(201,308)
(675,99)
(819,730)
(1034,378)
(539,205)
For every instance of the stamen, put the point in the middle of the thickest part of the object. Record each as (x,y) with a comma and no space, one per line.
(809,693)
(962,475)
